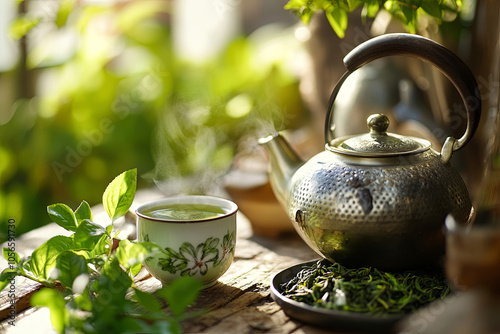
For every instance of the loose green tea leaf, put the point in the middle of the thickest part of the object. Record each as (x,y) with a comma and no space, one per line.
(367,290)
(119,194)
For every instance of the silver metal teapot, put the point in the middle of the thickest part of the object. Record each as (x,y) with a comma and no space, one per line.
(378,199)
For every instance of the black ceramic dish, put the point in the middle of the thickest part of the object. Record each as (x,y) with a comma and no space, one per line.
(325,318)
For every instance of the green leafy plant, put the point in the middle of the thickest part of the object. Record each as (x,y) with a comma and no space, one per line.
(407,11)
(89,286)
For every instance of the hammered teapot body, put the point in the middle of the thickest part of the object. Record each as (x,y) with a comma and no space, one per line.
(378,199)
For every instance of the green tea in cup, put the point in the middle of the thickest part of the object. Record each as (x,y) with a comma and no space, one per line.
(197,235)
(185,212)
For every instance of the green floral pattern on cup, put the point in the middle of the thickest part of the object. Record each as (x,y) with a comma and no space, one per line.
(191,260)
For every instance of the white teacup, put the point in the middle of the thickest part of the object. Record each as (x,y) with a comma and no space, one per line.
(195,242)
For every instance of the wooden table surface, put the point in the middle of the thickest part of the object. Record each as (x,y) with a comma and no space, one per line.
(239,303)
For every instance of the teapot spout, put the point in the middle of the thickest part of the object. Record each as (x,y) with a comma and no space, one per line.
(284,162)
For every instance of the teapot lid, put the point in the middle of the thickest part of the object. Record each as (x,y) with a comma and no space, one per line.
(378,142)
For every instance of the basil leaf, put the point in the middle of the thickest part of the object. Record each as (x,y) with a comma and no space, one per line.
(65,9)
(54,300)
(129,254)
(83,300)
(6,277)
(83,212)
(22,25)
(70,266)
(135,269)
(110,306)
(102,246)
(44,257)
(88,235)
(353,4)
(433,8)
(296,4)
(119,194)
(180,293)
(371,8)
(11,256)
(147,301)
(111,286)
(63,216)
(338,20)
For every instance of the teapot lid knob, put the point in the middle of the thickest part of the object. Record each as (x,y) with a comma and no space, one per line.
(378,143)
(378,123)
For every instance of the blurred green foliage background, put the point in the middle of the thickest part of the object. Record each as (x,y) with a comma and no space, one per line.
(99,87)
(120,98)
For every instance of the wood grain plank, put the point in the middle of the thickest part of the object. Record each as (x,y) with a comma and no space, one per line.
(20,296)
(246,286)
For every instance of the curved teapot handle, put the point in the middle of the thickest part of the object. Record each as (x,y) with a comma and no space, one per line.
(425,49)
